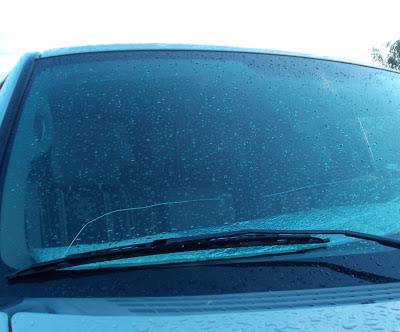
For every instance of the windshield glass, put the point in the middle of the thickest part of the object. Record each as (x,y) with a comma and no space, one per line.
(126,147)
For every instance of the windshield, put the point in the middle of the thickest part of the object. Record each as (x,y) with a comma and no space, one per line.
(127,147)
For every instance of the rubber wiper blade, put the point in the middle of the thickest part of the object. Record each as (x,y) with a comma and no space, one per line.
(234,239)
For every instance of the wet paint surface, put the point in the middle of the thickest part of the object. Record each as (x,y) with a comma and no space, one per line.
(368,317)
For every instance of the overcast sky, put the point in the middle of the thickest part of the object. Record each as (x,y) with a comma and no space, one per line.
(346,29)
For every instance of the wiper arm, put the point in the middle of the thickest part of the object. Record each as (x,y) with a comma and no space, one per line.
(234,239)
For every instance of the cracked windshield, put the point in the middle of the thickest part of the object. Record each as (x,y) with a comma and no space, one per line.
(117,148)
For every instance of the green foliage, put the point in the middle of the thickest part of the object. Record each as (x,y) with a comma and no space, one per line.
(392,59)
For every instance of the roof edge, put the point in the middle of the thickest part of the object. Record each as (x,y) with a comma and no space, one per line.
(166,47)
(190,47)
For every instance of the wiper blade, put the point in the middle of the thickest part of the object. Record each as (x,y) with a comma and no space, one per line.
(234,239)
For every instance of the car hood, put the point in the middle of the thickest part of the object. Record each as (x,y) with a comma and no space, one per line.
(359,308)
(368,317)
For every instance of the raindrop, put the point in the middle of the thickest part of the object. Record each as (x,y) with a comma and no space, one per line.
(349,326)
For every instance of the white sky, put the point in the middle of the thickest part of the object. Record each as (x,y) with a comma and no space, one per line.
(346,29)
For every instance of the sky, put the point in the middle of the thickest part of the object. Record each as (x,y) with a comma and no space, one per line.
(343,29)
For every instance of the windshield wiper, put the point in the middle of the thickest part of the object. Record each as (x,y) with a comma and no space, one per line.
(234,239)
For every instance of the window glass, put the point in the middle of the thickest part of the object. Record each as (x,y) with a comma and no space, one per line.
(121,146)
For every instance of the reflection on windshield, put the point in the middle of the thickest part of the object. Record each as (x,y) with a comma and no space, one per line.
(114,146)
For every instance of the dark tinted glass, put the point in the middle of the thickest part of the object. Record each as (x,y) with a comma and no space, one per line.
(117,146)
